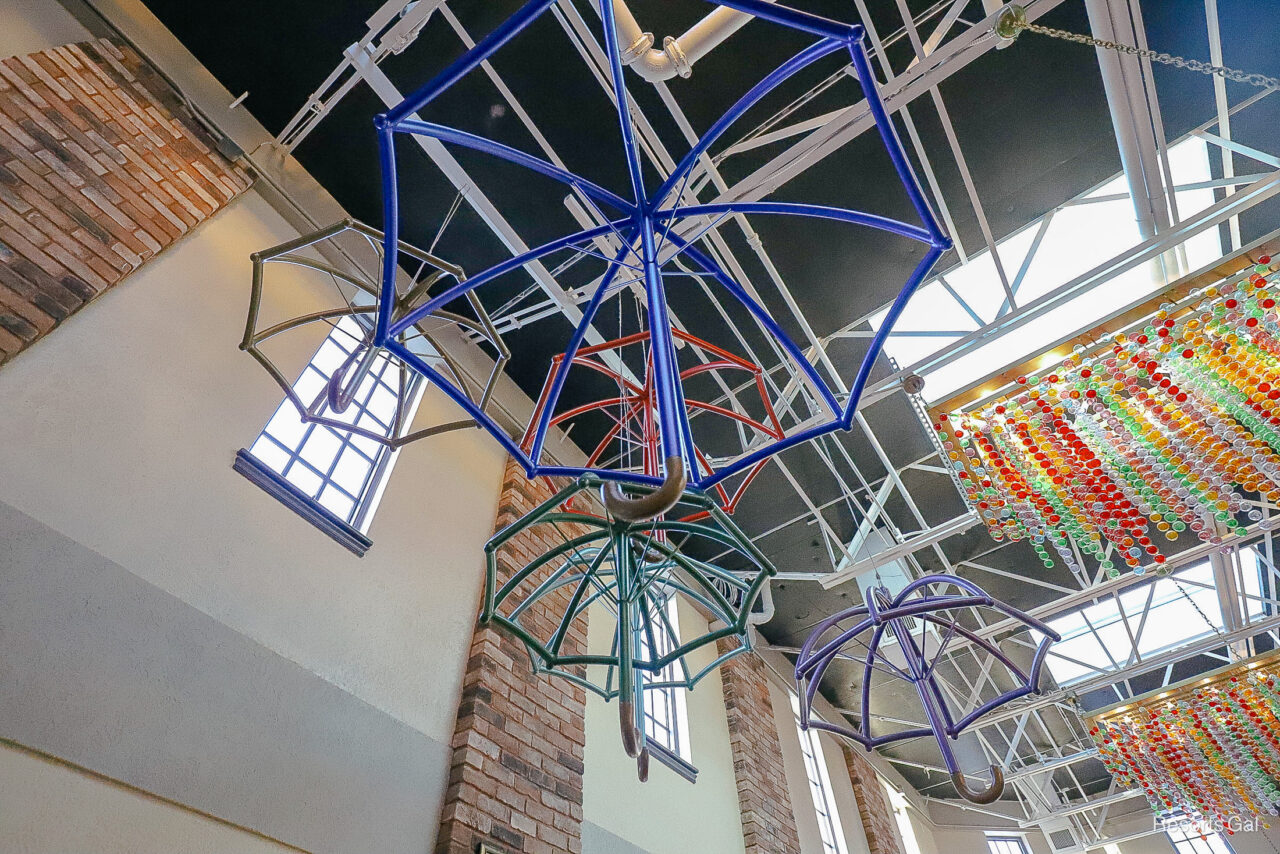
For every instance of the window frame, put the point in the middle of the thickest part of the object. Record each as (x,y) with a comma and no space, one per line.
(272,477)
(677,752)
(826,812)
(1194,842)
(1005,840)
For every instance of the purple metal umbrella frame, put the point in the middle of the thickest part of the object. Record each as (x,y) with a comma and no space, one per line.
(882,613)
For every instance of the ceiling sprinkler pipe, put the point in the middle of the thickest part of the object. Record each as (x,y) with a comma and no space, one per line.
(677,55)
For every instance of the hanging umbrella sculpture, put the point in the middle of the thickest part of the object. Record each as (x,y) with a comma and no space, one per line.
(348,288)
(631,571)
(647,237)
(628,576)
(631,408)
(889,635)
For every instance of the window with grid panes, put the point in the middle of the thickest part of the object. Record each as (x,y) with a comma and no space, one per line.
(340,472)
(666,718)
(1007,845)
(1187,840)
(815,768)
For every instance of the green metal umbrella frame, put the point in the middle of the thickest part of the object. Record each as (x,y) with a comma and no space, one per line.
(633,569)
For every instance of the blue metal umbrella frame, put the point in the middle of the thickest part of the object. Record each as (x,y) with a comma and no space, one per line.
(648,219)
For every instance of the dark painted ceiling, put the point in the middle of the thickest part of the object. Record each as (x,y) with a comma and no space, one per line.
(1032,121)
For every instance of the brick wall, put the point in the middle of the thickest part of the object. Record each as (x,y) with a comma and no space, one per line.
(515,781)
(873,805)
(768,823)
(100,169)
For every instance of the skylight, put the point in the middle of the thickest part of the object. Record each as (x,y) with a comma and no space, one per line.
(1064,244)
(1183,608)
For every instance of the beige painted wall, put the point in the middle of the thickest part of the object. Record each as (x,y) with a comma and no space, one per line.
(923,832)
(668,814)
(947,840)
(128,417)
(49,808)
(33,25)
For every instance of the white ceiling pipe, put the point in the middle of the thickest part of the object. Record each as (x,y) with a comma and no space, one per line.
(677,55)
(1121,81)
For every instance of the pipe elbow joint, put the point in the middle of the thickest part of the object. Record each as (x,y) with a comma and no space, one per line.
(656,66)
(637,49)
(653,66)
(679,63)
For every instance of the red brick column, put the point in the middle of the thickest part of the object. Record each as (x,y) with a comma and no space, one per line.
(515,781)
(768,822)
(99,170)
(873,805)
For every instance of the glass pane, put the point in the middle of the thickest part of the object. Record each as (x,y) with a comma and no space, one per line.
(329,357)
(351,471)
(286,427)
(320,449)
(368,446)
(310,385)
(340,505)
(271,454)
(305,479)
(382,404)
(346,416)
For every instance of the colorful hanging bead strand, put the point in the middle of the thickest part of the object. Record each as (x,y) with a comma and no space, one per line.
(1212,752)
(1162,432)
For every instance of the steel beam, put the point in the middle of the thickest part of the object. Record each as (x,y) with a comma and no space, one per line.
(831,131)
(924,539)
(1094,804)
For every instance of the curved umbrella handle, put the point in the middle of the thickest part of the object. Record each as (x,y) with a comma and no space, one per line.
(630,733)
(647,507)
(642,766)
(986,796)
(342,392)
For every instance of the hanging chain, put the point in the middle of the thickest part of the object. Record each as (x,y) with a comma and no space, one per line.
(1014,20)
(1212,626)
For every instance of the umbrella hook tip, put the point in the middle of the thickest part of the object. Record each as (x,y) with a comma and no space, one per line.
(987,795)
(646,508)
